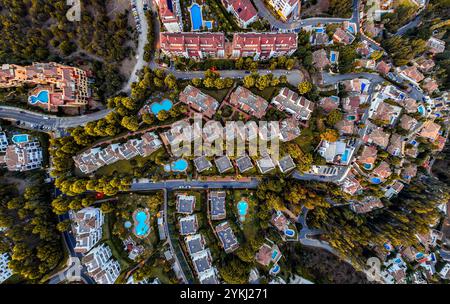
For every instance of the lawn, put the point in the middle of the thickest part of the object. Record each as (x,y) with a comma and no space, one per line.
(218,95)
(267,93)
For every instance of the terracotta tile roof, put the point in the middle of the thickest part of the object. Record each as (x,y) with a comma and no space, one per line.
(382,170)
(244,9)
(368,155)
(248,102)
(413,73)
(407,122)
(320,59)
(430,130)
(265,45)
(430,85)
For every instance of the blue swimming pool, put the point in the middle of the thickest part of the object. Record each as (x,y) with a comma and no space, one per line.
(419,255)
(196,17)
(367,166)
(242,207)
(421,110)
(333,57)
(387,246)
(344,158)
(179,165)
(41,97)
(164,105)
(289,232)
(275,269)
(20,138)
(375,180)
(208,24)
(274,254)
(141,224)
(363,86)
(127,224)
(351,117)
(350,29)
(320,30)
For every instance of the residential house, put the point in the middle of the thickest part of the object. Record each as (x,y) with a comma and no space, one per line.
(393,189)
(297,106)
(268,253)
(286,164)
(320,59)
(367,204)
(62,85)
(169,12)
(217,201)
(244,163)
(410,73)
(5,272)
(194,243)
(396,145)
(351,184)
(329,103)
(409,172)
(95,158)
(100,266)
(383,67)
(409,104)
(377,136)
(345,127)
(430,85)
(338,152)
(386,113)
(425,65)
(435,45)
(87,226)
(185,204)
(284,8)
(263,46)
(368,157)
(243,10)
(193,45)
(265,164)
(202,163)
(188,224)
(227,237)
(248,102)
(289,129)
(343,36)
(3,142)
(382,171)
(23,156)
(430,130)
(223,164)
(199,101)
(407,122)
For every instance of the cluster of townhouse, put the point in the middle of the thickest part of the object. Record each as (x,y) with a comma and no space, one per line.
(20,153)
(298,109)
(217,212)
(95,158)
(87,230)
(57,85)
(260,46)
(5,272)
(195,243)
(379,139)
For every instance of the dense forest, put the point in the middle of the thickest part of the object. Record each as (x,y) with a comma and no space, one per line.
(413,211)
(37,30)
(31,236)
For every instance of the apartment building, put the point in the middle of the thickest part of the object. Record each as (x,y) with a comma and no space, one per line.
(243,10)
(87,228)
(100,266)
(284,8)
(193,45)
(170,14)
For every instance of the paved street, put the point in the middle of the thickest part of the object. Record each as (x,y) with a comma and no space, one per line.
(142,41)
(145,185)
